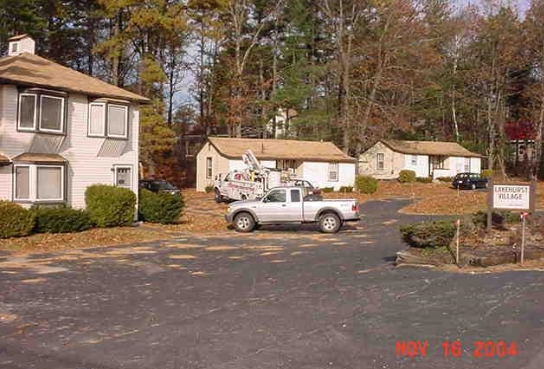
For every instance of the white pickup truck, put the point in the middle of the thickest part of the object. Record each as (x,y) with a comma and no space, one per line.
(285,205)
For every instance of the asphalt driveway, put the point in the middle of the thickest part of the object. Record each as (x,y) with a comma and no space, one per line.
(278,298)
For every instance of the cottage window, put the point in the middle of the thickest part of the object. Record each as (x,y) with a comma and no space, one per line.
(108,120)
(439,162)
(41,112)
(333,172)
(413,160)
(123,177)
(14,47)
(380,161)
(209,168)
(467,165)
(37,183)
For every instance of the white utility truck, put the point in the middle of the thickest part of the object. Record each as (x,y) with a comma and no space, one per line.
(253,182)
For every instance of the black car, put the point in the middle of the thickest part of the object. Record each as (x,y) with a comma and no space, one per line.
(470,181)
(159,185)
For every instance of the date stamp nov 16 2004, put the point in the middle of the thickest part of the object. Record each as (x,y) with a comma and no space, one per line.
(478,349)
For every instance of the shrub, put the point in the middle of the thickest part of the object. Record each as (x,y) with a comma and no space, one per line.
(110,206)
(366,184)
(487,173)
(209,189)
(161,207)
(428,234)
(445,179)
(407,176)
(497,218)
(327,189)
(346,189)
(61,220)
(15,221)
(424,179)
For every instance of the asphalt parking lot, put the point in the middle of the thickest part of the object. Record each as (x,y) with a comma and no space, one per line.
(278,298)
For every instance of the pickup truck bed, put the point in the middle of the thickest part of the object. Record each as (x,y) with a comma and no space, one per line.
(284,205)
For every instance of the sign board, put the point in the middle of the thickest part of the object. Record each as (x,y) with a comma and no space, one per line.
(511,197)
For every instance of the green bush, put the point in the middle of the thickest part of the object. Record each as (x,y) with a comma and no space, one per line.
(15,221)
(327,189)
(366,184)
(445,179)
(497,218)
(110,206)
(209,189)
(407,176)
(61,220)
(487,173)
(161,207)
(346,189)
(428,234)
(424,179)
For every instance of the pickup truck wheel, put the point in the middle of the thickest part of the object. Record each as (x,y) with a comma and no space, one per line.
(329,223)
(244,222)
(218,197)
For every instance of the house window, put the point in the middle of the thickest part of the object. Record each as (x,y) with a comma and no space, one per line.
(467,165)
(41,112)
(333,172)
(123,177)
(209,168)
(37,183)
(413,160)
(108,120)
(380,161)
(49,183)
(22,183)
(14,47)
(439,162)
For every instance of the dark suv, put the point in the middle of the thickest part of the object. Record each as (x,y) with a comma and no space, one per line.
(159,185)
(470,181)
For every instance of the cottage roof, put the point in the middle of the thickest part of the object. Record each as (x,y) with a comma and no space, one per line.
(33,70)
(270,149)
(429,148)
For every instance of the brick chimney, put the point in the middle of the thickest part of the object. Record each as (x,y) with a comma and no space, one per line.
(21,44)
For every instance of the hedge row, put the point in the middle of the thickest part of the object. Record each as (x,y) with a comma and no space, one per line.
(107,206)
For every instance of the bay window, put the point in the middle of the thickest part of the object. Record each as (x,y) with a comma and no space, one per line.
(108,120)
(41,112)
(36,182)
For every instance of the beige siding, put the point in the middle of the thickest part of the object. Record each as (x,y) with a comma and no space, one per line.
(86,166)
(393,162)
(220,164)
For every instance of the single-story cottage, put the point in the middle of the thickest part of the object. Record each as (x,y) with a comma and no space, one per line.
(386,158)
(321,163)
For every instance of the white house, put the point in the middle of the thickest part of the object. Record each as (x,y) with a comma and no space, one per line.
(386,158)
(321,163)
(280,125)
(62,131)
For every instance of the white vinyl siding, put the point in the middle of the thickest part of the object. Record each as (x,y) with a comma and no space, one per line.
(117,121)
(97,119)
